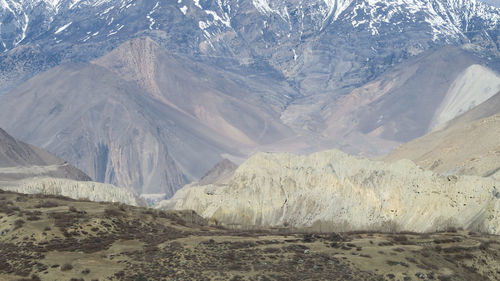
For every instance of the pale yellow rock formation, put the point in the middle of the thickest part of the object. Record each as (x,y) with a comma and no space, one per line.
(92,191)
(347,192)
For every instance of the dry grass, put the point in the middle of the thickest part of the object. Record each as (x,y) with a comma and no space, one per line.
(81,240)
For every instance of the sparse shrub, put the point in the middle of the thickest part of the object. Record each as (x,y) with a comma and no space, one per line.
(66,267)
(393,263)
(445,278)
(141,277)
(484,246)
(21,199)
(400,238)
(452,229)
(112,211)
(85,271)
(47,204)
(73,209)
(18,224)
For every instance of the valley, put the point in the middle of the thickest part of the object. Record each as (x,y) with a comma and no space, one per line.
(151,140)
(55,238)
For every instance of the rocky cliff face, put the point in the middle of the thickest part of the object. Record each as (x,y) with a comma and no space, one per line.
(92,191)
(334,190)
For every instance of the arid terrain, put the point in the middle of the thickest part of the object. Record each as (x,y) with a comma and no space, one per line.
(55,238)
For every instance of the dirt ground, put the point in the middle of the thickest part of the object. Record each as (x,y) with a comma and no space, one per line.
(55,238)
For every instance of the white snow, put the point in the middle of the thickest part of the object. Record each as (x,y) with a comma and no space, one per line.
(150,18)
(107,10)
(226,21)
(197,3)
(184,9)
(262,6)
(24,28)
(336,7)
(62,28)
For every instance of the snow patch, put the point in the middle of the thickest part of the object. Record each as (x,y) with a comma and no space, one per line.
(62,28)
(197,3)
(262,6)
(184,9)
(226,21)
(336,7)
(150,18)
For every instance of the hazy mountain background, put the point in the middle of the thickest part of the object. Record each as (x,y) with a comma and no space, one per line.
(149,95)
(29,169)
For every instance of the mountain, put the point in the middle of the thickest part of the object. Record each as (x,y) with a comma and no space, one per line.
(31,170)
(316,45)
(335,191)
(143,118)
(150,95)
(408,101)
(20,160)
(466,145)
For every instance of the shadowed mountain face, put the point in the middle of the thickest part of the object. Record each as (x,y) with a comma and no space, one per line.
(19,160)
(144,119)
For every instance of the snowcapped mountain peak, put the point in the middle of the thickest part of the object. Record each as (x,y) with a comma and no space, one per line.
(250,30)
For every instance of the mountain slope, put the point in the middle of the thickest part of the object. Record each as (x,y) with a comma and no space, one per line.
(142,118)
(31,170)
(468,145)
(335,190)
(405,102)
(316,45)
(19,160)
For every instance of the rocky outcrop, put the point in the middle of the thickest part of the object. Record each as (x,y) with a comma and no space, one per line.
(92,191)
(221,173)
(332,190)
